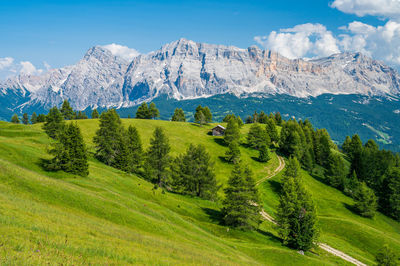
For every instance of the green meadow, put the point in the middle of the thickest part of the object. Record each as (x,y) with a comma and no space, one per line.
(111,217)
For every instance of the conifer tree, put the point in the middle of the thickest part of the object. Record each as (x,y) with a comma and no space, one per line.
(69,152)
(365,201)
(41,118)
(271,130)
(262,118)
(307,160)
(264,153)
(199,116)
(25,119)
(193,173)
(351,184)
(232,155)
(257,137)
(135,147)
(278,118)
(386,257)
(346,145)
(143,111)
(154,112)
(178,115)
(67,111)
(296,211)
(391,197)
(207,113)
(15,119)
(239,121)
(108,137)
(232,132)
(95,114)
(241,207)
(54,123)
(158,159)
(34,118)
(336,171)
(249,120)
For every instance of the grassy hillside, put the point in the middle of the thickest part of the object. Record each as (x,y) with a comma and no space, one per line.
(114,218)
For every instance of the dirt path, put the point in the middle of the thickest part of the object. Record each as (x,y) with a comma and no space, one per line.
(325,247)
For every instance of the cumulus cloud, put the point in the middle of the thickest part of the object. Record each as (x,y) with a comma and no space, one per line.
(305,40)
(9,67)
(314,40)
(122,51)
(381,42)
(6,62)
(382,8)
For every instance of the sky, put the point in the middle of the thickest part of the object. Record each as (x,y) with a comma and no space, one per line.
(38,35)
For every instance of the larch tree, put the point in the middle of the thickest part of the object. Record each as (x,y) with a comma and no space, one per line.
(179,115)
(25,119)
(296,214)
(241,206)
(157,158)
(154,112)
(34,118)
(232,155)
(67,111)
(108,137)
(193,173)
(95,114)
(15,119)
(54,123)
(365,201)
(232,132)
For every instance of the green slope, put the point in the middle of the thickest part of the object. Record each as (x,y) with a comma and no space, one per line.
(114,218)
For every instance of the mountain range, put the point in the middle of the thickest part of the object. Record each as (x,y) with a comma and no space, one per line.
(184,71)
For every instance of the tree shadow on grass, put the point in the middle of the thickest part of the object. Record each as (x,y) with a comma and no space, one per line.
(319,178)
(271,236)
(351,208)
(220,141)
(215,216)
(275,186)
(223,159)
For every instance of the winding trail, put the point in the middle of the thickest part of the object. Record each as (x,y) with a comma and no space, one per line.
(325,247)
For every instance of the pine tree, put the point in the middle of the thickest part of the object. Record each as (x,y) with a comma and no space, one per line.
(271,130)
(346,145)
(154,112)
(257,137)
(239,121)
(232,132)
(199,116)
(307,160)
(108,137)
(386,257)
(365,201)
(262,118)
(193,173)
(95,114)
(143,111)
(264,153)
(296,211)
(351,184)
(241,207)
(355,152)
(232,155)
(179,115)
(278,118)
(336,171)
(392,193)
(54,123)
(41,118)
(249,120)
(15,119)
(158,159)
(67,111)
(135,148)
(208,115)
(34,118)
(69,152)
(25,119)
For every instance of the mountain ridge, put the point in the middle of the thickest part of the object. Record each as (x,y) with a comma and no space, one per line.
(185,69)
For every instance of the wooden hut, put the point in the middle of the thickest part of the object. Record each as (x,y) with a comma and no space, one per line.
(218,131)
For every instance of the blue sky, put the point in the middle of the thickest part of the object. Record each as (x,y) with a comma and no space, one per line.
(60,32)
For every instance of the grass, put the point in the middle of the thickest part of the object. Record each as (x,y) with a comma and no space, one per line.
(115,218)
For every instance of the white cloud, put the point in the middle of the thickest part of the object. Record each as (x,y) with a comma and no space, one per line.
(382,8)
(28,68)
(381,42)
(6,62)
(122,51)
(305,40)
(46,65)
(314,40)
